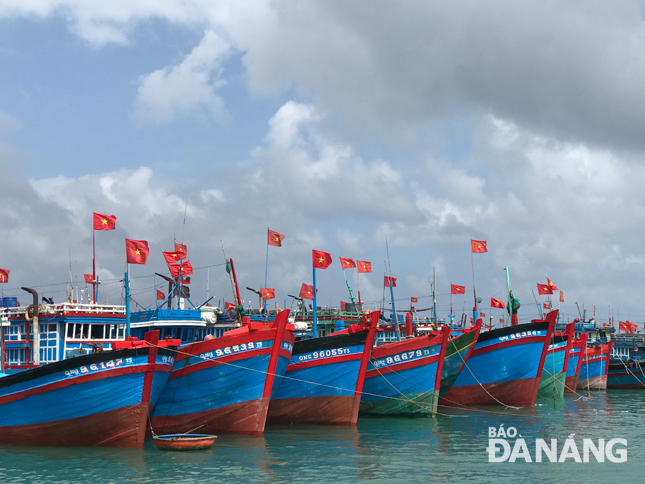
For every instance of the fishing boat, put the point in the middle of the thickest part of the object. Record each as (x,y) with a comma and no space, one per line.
(223,385)
(97,399)
(554,373)
(324,380)
(458,350)
(594,367)
(505,366)
(184,441)
(626,369)
(574,363)
(403,377)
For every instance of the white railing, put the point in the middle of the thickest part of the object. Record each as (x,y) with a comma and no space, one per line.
(66,308)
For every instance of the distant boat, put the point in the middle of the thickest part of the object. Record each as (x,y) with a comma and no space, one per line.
(403,377)
(505,366)
(224,384)
(98,399)
(324,381)
(626,370)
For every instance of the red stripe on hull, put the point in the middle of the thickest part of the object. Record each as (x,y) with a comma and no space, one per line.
(519,393)
(246,418)
(124,427)
(505,344)
(570,384)
(596,383)
(327,410)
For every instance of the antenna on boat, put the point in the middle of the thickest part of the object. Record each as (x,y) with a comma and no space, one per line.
(396,321)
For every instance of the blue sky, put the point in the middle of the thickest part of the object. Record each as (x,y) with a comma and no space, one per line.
(336,124)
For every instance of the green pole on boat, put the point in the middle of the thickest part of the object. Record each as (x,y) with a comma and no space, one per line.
(127,304)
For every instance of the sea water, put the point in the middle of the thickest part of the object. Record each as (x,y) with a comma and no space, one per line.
(449,448)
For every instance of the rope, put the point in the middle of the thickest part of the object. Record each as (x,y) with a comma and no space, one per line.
(633,374)
(483,388)
(284,376)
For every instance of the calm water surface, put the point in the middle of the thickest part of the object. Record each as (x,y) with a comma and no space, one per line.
(449,448)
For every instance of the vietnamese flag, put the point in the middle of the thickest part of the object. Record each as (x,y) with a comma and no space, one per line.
(4,275)
(136,251)
(160,295)
(496,303)
(104,222)
(306,291)
(321,260)
(228,305)
(186,269)
(364,266)
(544,289)
(551,285)
(347,263)
(173,257)
(626,326)
(414,300)
(454,289)
(274,238)
(267,293)
(89,278)
(478,246)
(389,280)
(181,248)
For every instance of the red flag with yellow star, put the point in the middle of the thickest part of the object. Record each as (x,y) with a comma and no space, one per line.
(364,266)
(347,263)
(274,238)
(4,275)
(136,251)
(454,289)
(321,260)
(478,246)
(104,222)
(306,291)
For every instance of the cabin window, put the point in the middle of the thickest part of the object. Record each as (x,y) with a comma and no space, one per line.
(97,331)
(189,335)
(70,330)
(121,331)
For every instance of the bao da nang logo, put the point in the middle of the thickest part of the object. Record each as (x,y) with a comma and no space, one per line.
(508,446)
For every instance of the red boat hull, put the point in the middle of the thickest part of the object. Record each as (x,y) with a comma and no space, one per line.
(329,410)
(247,418)
(518,393)
(125,426)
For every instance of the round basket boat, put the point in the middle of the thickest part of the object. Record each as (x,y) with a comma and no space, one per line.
(184,442)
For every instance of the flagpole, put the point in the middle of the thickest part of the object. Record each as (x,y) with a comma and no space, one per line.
(94,264)
(351,296)
(315,321)
(127,301)
(472,260)
(266,272)
(452,316)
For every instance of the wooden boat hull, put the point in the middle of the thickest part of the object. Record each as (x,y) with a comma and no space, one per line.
(403,377)
(458,350)
(325,379)
(100,399)
(574,363)
(554,372)
(626,376)
(223,385)
(505,366)
(594,367)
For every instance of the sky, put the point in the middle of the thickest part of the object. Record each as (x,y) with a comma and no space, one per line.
(389,132)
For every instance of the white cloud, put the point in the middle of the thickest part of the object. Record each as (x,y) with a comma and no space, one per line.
(185,88)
